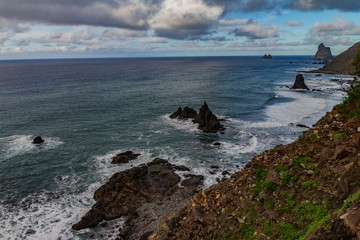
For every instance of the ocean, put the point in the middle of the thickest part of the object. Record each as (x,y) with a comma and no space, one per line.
(88,110)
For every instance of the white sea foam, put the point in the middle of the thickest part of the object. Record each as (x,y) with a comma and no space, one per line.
(22,144)
(185,125)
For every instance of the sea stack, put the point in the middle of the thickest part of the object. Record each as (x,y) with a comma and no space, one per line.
(38,140)
(323,53)
(299,83)
(207,121)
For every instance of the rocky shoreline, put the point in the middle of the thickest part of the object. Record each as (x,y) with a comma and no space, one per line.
(308,189)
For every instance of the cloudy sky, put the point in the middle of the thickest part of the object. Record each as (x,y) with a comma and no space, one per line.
(135,28)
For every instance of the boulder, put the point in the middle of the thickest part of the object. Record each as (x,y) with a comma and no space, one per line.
(323,53)
(38,140)
(124,157)
(128,191)
(207,121)
(299,83)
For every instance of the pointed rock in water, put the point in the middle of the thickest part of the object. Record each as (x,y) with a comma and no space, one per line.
(267,56)
(38,140)
(177,113)
(299,83)
(323,53)
(124,157)
(207,121)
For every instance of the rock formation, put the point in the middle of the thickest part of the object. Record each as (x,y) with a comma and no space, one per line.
(38,140)
(138,191)
(299,83)
(342,63)
(184,114)
(207,121)
(267,56)
(323,53)
(124,157)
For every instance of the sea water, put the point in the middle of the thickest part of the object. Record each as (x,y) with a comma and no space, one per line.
(88,110)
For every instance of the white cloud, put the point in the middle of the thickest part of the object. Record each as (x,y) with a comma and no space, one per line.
(152,40)
(255,30)
(293,23)
(338,27)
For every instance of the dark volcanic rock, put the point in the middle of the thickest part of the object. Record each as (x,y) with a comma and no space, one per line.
(184,114)
(124,157)
(323,53)
(299,83)
(38,140)
(207,121)
(137,193)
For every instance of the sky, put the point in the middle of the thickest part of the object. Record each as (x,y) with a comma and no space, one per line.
(152,28)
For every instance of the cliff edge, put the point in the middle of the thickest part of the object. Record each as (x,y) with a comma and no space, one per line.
(309,189)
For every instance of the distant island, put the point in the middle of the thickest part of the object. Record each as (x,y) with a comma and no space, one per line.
(267,56)
(323,53)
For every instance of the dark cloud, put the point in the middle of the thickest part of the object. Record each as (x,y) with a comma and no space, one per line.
(182,34)
(310,5)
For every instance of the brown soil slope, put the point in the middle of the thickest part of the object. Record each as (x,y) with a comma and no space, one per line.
(305,190)
(342,63)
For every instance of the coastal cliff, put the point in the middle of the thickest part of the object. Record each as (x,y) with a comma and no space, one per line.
(343,63)
(308,189)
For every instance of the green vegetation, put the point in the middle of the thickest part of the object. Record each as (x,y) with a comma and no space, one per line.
(301,160)
(309,184)
(356,62)
(351,104)
(280,169)
(339,134)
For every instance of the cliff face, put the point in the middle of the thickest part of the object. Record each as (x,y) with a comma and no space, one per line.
(343,62)
(323,53)
(309,189)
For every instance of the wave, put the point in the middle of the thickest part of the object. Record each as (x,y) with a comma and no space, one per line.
(22,144)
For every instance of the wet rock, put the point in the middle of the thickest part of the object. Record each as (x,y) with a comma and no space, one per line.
(207,121)
(38,140)
(181,168)
(192,180)
(184,114)
(267,56)
(299,83)
(217,144)
(124,157)
(301,125)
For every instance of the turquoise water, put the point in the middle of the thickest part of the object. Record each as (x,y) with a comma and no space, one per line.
(88,110)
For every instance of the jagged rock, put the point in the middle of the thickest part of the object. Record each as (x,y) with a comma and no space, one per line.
(323,53)
(299,83)
(184,114)
(38,140)
(128,191)
(267,56)
(124,157)
(207,121)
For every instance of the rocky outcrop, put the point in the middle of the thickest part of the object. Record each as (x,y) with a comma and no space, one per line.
(207,121)
(184,114)
(136,192)
(38,140)
(323,53)
(342,63)
(299,83)
(267,56)
(124,157)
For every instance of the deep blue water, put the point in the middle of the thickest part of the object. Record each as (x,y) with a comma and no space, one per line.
(88,110)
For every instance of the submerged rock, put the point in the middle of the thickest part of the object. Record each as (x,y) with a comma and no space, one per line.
(38,140)
(124,157)
(299,83)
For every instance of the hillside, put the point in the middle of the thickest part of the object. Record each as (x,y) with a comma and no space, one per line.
(342,63)
(309,189)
